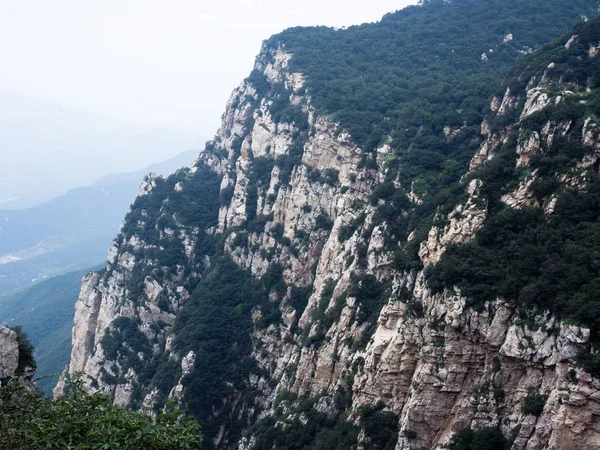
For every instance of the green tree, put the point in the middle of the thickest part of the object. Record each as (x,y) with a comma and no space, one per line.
(83,421)
(485,439)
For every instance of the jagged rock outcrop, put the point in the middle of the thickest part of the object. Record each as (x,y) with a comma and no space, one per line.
(16,359)
(286,193)
(9,352)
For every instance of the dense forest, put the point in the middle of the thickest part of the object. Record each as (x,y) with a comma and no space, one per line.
(405,78)
(418,76)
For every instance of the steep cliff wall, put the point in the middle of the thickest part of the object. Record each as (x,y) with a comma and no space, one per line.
(9,352)
(293,280)
(16,357)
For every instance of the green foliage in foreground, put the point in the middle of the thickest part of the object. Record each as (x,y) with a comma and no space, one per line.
(85,421)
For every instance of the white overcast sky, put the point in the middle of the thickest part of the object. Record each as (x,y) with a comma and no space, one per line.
(167,63)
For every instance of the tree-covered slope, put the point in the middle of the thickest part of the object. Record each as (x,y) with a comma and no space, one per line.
(420,79)
(539,245)
(421,66)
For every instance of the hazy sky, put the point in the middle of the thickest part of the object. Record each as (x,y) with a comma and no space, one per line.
(170,63)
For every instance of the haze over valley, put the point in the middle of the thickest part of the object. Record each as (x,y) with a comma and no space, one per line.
(47,148)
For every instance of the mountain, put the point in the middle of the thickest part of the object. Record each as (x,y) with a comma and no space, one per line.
(391,242)
(45,310)
(45,313)
(72,231)
(47,148)
(164,168)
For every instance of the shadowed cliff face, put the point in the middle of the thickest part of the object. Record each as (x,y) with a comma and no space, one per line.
(292,288)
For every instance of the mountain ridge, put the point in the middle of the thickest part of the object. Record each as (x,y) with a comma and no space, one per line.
(72,231)
(277,288)
(48,148)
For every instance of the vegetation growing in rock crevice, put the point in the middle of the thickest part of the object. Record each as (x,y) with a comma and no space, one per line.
(193,204)
(380,426)
(534,403)
(26,359)
(483,439)
(216,323)
(297,425)
(299,298)
(259,176)
(304,428)
(259,173)
(124,343)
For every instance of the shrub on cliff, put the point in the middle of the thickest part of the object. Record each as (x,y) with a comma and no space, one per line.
(484,439)
(534,403)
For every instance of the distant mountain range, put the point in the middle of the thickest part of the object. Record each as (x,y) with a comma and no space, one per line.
(72,231)
(47,148)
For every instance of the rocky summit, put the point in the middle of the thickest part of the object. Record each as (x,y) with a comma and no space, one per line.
(392,242)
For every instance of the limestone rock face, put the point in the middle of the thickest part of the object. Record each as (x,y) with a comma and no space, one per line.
(464,222)
(435,362)
(536,101)
(9,352)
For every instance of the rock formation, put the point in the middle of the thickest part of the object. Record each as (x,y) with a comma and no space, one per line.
(298,197)
(9,352)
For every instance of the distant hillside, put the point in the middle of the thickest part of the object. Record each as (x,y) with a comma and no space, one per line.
(45,311)
(76,230)
(71,232)
(47,148)
(163,167)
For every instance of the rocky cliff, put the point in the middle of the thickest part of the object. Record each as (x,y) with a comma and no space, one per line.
(298,287)
(15,355)
(9,352)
